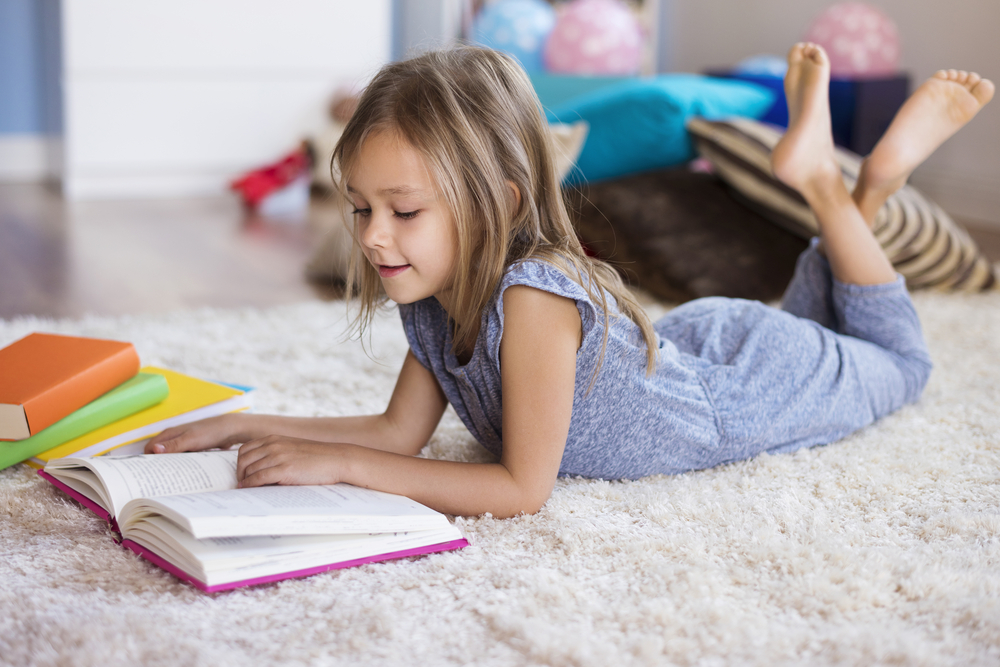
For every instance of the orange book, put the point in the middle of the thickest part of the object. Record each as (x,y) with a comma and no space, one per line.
(44,377)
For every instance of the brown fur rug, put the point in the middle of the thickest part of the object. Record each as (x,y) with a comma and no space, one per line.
(681,235)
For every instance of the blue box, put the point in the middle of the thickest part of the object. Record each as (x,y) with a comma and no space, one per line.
(860,109)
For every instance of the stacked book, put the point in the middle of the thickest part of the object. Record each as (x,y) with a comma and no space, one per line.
(72,396)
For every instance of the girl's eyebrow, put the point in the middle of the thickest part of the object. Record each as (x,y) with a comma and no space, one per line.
(399,190)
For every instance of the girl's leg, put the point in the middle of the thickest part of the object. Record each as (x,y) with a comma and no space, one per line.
(804,159)
(810,292)
(867,299)
(931,115)
(942,105)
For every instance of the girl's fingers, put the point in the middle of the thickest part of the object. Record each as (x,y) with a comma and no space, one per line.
(160,438)
(263,477)
(280,460)
(178,439)
(164,445)
(250,453)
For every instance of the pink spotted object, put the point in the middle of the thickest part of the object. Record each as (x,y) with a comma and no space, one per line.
(595,37)
(860,40)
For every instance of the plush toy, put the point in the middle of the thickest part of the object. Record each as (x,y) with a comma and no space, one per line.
(517,27)
(279,188)
(860,40)
(595,37)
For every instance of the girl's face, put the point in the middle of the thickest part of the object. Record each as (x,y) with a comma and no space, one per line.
(405,227)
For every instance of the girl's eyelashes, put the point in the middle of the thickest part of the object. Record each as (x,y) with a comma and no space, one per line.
(403,215)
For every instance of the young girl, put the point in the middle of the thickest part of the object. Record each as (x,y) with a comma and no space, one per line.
(542,351)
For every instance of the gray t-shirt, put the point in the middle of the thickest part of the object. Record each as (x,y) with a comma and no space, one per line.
(627,425)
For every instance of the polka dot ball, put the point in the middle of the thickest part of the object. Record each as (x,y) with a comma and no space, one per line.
(860,40)
(596,37)
(517,27)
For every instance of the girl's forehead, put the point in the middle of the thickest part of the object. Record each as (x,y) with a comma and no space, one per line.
(387,164)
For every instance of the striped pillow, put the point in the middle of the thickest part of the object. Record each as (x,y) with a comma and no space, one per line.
(922,241)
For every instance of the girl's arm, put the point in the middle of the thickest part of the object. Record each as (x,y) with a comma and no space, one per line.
(538,371)
(414,411)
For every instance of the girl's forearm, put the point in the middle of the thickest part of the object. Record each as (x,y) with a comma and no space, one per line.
(369,431)
(463,489)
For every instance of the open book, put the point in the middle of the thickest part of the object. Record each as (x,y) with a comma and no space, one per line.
(184,513)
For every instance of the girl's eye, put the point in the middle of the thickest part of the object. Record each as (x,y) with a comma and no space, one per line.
(363,212)
(406,215)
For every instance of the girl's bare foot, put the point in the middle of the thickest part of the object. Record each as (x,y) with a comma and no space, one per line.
(804,158)
(942,105)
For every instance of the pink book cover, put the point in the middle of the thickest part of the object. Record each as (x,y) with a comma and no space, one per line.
(184,576)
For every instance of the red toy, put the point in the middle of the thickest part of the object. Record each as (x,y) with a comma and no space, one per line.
(254,186)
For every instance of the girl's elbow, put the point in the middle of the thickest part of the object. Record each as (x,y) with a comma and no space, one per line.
(510,513)
(529,503)
(518,503)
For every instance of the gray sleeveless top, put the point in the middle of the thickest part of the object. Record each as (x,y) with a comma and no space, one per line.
(627,426)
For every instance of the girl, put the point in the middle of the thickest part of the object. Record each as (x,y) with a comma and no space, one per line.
(543,353)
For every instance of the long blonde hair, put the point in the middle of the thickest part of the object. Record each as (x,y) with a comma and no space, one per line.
(474,117)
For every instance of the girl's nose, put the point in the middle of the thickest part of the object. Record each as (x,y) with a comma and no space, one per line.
(373,232)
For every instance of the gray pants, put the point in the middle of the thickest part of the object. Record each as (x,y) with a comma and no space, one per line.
(833,360)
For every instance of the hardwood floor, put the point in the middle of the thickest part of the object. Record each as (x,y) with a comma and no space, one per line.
(119,257)
(115,257)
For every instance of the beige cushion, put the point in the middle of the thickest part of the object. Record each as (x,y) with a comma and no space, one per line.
(922,241)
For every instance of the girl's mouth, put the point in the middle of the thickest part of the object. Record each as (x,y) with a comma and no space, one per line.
(390,271)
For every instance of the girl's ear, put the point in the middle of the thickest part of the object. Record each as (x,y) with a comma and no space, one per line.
(517,195)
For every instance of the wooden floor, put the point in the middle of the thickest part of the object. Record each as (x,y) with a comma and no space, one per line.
(120,257)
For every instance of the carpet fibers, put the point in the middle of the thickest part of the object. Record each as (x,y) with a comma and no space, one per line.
(883,548)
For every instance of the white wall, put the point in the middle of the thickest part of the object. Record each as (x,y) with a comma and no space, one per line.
(421,25)
(964,174)
(177,98)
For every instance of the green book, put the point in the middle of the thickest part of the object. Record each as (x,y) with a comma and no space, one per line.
(139,393)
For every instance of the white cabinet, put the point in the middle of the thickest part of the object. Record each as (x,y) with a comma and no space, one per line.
(175,98)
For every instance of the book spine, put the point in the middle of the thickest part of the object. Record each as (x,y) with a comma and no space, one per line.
(79,390)
(139,393)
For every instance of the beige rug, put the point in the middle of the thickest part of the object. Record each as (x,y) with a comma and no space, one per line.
(880,549)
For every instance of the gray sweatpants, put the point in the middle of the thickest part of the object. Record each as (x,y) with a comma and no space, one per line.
(839,357)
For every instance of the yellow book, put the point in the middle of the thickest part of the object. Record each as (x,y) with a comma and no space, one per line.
(190,399)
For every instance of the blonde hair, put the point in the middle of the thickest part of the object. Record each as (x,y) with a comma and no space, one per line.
(473,116)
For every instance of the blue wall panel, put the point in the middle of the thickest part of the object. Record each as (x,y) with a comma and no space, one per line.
(21,86)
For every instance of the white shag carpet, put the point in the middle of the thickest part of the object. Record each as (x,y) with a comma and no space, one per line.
(883,548)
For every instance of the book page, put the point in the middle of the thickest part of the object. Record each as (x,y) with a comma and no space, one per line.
(228,559)
(148,476)
(290,510)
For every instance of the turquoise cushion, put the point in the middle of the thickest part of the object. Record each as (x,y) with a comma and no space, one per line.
(555,89)
(638,124)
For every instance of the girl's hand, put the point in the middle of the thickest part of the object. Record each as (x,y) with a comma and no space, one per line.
(223,432)
(277,459)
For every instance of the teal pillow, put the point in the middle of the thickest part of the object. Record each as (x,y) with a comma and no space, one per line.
(555,89)
(639,124)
